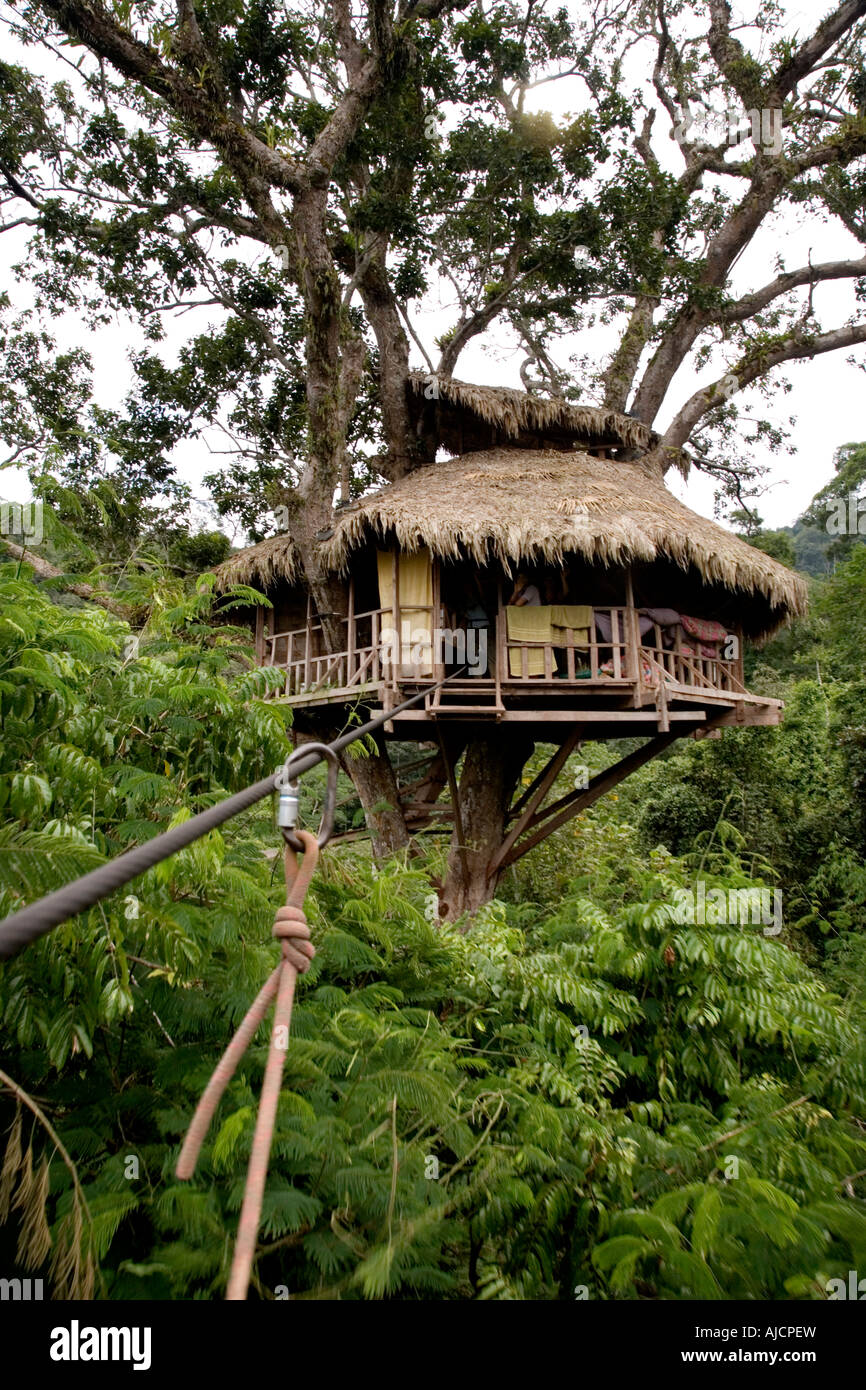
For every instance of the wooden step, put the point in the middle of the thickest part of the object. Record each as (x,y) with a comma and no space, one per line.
(481,711)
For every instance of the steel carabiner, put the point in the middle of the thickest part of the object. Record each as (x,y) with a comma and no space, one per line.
(289,796)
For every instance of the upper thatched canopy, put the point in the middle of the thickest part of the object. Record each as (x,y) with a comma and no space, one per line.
(463,418)
(519,505)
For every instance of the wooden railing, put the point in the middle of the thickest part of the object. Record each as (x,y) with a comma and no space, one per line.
(572,662)
(691,669)
(366,659)
(309,667)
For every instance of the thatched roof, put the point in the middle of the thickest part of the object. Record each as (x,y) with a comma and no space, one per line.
(272,561)
(462,418)
(521,505)
(515,505)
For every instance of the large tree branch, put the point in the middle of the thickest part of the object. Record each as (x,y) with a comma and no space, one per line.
(430,9)
(18,188)
(383,314)
(758,300)
(769,179)
(741,71)
(804,59)
(343,123)
(753,365)
(43,570)
(471,324)
(846,144)
(99,31)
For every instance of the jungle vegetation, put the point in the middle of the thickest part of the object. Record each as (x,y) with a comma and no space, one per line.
(579,1096)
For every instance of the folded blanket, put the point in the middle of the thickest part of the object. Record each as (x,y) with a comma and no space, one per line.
(704,628)
(571,617)
(665,617)
(604,628)
(528,624)
(574,615)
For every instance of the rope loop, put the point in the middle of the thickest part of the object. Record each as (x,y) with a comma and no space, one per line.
(291,928)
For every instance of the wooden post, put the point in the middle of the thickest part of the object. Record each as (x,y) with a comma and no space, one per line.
(502,668)
(664,723)
(633,637)
(260,636)
(350,633)
(376,672)
(437,624)
(615,639)
(494,667)
(308,641)
(398,664)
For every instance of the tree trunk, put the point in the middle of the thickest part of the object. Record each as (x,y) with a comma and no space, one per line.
(491,768)
(376,784)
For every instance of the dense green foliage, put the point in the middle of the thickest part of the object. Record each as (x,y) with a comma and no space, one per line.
(577,1098)
(831,526)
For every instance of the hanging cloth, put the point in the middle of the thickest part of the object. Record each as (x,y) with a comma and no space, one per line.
(577,617)
(528,624)
(415,601)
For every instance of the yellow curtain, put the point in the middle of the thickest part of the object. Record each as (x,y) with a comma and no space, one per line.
(415,579)
(531,623)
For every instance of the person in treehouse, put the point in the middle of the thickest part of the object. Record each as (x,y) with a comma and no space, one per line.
(524,595)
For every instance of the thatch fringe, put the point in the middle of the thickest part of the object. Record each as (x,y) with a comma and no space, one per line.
(272,560)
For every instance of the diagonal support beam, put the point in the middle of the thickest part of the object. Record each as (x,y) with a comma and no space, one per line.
(571,805)
(535,794)
(569,747)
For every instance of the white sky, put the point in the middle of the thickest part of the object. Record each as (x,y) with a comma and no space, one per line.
(827,397)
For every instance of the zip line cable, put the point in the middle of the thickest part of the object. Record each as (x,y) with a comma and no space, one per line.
(29,923)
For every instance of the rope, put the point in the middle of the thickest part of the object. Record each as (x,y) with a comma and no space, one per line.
(291,929)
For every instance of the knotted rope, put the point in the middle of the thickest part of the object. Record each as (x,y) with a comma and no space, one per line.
(292,931)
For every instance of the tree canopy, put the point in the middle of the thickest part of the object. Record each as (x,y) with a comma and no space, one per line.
(306,175)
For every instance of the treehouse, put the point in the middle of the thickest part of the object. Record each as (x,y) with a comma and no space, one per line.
(547,572)
(638,607)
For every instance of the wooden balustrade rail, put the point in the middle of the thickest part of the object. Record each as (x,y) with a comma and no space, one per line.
(300,652)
